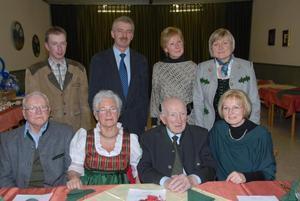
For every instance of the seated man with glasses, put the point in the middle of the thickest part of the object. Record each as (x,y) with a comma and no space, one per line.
(37,153)
(107,154)
(175,155)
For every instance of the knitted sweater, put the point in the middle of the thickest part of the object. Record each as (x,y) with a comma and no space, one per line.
(172,79)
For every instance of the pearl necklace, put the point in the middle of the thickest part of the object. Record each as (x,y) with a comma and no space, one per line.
(238,138)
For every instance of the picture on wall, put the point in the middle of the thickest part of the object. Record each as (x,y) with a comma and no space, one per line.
(36,45)
(271,37)
(17,35)
(285,38)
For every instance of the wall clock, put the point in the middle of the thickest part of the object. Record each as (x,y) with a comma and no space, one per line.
(18,35)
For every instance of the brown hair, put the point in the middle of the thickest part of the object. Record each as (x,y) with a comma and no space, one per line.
(55,30)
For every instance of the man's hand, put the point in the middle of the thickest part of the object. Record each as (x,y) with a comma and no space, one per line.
(236,177)
(178,183)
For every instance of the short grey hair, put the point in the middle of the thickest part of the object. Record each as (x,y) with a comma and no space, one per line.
(217,35)
(98,98)
(166,100)
(124,19)
(35,93)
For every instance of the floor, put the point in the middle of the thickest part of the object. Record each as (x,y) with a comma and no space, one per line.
(287,150)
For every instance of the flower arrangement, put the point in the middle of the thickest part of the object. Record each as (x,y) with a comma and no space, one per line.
(153,198)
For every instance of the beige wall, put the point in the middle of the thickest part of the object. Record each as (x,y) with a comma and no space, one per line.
(281,15)
(34,15)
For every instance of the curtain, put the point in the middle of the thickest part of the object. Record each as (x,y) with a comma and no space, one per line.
(89,31)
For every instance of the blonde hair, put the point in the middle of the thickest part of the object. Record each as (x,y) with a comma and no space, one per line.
(217,35)
(238,95)
(167,33)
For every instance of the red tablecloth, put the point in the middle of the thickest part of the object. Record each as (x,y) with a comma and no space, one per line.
(225,189)
(291,103)
(10,118)
(230,191)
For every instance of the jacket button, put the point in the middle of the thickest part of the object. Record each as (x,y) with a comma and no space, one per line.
(169,166)
(198,164)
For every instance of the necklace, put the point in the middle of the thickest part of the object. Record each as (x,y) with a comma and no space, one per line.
(238,139)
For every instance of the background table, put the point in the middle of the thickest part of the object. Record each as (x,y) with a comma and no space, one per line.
(10,118)
(291,103)
(225,189)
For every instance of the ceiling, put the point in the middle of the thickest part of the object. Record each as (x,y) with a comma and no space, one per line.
(135,2)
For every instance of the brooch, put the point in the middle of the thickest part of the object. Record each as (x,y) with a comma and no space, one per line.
(204,81)
(244,79)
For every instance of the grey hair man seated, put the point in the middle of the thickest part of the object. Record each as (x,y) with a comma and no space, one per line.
(175,155)
(37,153)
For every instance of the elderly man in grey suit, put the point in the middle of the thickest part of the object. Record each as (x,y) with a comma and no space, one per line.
(37,153)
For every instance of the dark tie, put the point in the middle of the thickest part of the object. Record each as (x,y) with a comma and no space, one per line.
(177,166)
(60,82)
(123,74)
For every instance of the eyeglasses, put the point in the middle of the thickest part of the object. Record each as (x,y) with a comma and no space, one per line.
(105,110)
(234,109)
(34,109)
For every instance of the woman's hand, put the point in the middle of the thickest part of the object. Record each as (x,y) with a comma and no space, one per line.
(74,180)
(236,177)
(74,183)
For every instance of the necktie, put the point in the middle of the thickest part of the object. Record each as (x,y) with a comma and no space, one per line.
(60,82)
(224,67)
(177,166)
(123,74)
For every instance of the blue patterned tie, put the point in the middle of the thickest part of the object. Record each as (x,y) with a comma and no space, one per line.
(224,67)
(123,74)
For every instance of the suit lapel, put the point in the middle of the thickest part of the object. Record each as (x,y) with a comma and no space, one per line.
(68,79)
(236,72)
(115,75)
(133,74)
(212,70)
(52,79)
(165,139)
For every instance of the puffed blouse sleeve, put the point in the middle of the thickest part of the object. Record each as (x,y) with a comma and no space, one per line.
(135,153)
(77,151)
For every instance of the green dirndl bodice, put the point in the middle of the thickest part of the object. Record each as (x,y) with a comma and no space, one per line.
(94,177)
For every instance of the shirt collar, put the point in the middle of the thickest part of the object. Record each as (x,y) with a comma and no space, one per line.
(41,132)
(54,63)
(117,52)
(171,134)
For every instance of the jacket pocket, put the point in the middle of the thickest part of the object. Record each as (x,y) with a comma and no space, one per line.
(58,156)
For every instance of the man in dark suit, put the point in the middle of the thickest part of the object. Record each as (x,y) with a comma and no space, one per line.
(125,72)
(175,155)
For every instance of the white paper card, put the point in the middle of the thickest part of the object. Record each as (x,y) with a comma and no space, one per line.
(256,198)
(27,197)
